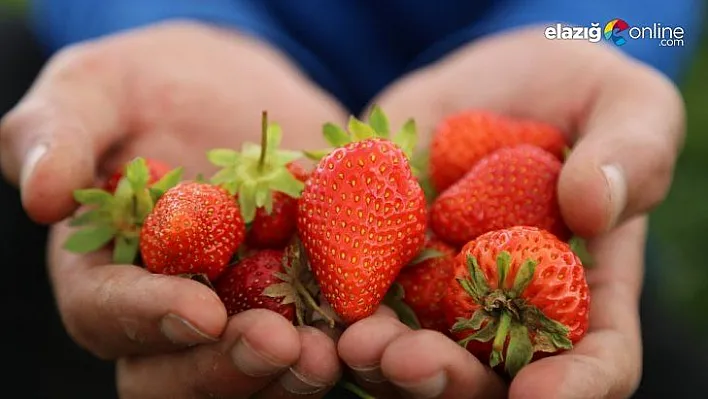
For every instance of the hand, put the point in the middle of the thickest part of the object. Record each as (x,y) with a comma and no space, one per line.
(627,122)
(168,92)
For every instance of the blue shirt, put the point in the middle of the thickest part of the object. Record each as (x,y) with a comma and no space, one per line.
(354,48)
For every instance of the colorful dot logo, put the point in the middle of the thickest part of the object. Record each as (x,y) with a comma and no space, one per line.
(613,28)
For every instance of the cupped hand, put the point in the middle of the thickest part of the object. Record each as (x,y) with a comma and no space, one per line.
(627,125)
(168,92)
(390,360)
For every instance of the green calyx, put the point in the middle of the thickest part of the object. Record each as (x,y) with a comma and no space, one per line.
(257,171)
(378,127)
(505,316)
(394,300)
(579,246)
(118,216)
(298,286)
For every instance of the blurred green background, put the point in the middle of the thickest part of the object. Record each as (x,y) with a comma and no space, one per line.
(682,220)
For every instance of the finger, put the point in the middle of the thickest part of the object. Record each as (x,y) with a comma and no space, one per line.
(427,364)
(257,347)
(315,373)
(121,310)
(607,362)
(622,165)
(362,345)
(49,143)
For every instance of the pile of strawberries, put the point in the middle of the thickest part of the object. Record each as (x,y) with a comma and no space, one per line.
(481,255)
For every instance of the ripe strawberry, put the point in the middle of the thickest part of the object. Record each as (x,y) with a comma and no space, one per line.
(244,286)
(520,292)
(156,170)
(425,284)
(462,139)
(113,216)
(275,230)
(512,186)
(195,228)
(362,217)
(266,182)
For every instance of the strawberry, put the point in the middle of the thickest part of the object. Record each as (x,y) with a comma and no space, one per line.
(113,216)
(425,284)
(520,293)
(362,216)
(195,228)
(266,182)
(275,230)
(462,139)
(156,170)
(510,187)
(270,279)
(243,286)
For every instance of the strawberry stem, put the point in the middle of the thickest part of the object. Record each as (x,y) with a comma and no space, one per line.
(264,140)
(500,338)
(310,301)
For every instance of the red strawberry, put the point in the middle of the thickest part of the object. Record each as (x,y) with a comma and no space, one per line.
(195,228)
(510,187)
(156,170)
(462,139)
(275,230)
(520,293)
(113,216)
(425,284)
(362,217)
(244,286)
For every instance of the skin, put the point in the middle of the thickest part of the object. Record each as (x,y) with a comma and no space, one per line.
(94,107)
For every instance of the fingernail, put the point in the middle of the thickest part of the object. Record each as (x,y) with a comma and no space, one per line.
(298,384)
(372,374)
(252,363)
(617,189)
(181,331)
(31,159)
(428,388)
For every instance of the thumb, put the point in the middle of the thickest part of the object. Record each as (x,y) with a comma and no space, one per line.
(622,164)
(50,141)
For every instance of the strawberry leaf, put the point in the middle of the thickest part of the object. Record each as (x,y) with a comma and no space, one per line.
(169,180)
(246,201)
(407,138)
(335,135)
(379,122)
(283,290)
(87,217)
(90,239)
(360,130)
(394,300)
(286,183)
(125,250)
(523,278)
(137,174)
(503,262)
(579,246)
(223,157)
(520,349)
(92,196)
(426,254)
(485,334)
(261,194)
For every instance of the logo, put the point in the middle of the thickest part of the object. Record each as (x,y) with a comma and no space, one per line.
(612,29)
(619,32)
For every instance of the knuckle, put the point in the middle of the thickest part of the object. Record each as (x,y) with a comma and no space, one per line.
(78,59)
(80,309)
